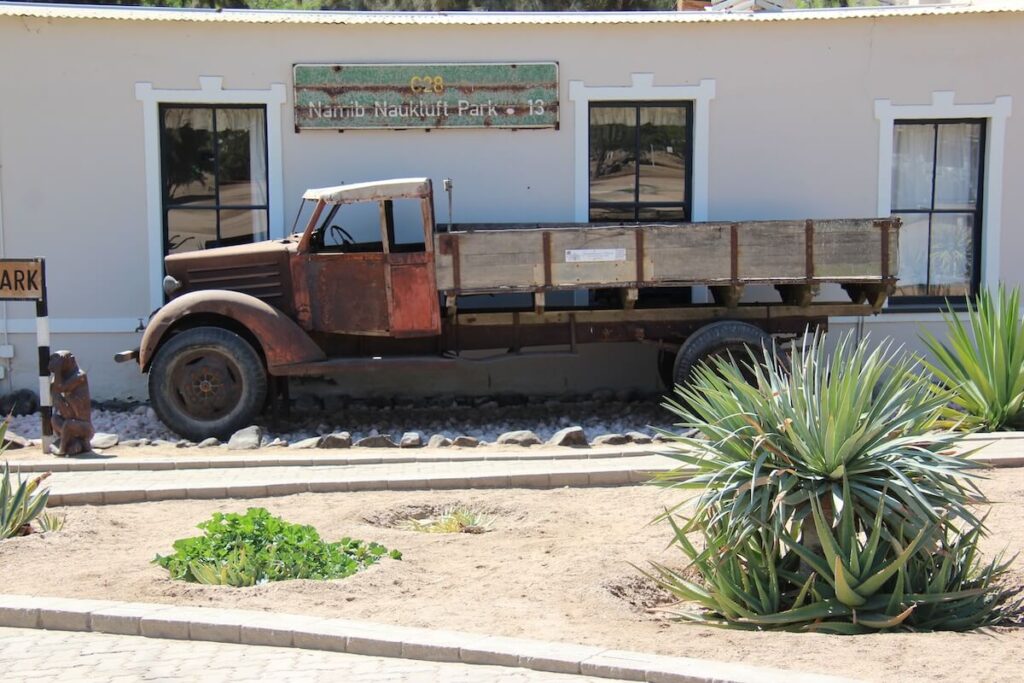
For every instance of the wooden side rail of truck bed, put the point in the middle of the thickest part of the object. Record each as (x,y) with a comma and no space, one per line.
(795,256)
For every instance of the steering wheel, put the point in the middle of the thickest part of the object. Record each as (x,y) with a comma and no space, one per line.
(341,235)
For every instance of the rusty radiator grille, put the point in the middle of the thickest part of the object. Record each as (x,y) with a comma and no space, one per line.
(261,280)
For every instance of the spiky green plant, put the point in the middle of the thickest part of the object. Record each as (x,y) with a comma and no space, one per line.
(457,519)
(825,498)
(51,521)
(21,500)
(857,581)
(764,449)
(982,363)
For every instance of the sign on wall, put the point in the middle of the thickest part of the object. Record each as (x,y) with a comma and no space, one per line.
(21,279)
(345,96)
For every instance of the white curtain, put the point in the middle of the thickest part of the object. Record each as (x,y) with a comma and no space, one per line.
(956,174)
(253,122)
(936,249)
(913,152)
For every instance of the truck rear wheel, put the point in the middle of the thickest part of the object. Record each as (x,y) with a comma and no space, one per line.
(719,339)
(207,381)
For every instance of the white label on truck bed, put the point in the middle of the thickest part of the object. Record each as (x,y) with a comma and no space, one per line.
(592,255)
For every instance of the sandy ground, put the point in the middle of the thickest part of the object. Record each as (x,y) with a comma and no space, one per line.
(556,566)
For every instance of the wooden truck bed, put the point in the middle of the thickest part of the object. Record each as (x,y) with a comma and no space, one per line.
(861,254)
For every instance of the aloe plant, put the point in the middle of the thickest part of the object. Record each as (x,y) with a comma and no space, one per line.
(855,582)
(765,448)
(825,498)
(21,501)
(982,363)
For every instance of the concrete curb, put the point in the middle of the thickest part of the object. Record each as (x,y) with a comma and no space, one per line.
(535,480)
(394,456)
(369,638)
(359,457)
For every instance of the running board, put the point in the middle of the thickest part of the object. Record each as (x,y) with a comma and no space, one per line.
(341,366)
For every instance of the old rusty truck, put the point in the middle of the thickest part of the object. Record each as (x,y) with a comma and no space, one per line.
(333,299)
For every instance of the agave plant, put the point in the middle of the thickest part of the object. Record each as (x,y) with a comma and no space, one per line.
(857,581)
(983,366)
(765,448)
(21,501)
(825,497)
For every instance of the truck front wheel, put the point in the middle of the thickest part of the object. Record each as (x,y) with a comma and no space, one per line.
(207,381)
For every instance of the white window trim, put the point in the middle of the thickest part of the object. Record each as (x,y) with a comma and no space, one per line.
(943,107)
(211,91)
(642,88)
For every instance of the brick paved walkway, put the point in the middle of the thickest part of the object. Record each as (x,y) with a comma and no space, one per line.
(37,655)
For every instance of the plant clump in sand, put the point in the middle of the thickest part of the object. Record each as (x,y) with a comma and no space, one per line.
(257,547)
(826,498)
(455,519)
(21,500)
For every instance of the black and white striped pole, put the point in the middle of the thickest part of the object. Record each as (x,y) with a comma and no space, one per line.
(25,280)
(43,342)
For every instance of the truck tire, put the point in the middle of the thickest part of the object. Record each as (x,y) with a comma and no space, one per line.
(207,381)
(718,339)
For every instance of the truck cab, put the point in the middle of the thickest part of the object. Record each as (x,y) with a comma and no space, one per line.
(332,278)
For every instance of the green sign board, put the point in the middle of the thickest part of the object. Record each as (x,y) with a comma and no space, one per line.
(345,96)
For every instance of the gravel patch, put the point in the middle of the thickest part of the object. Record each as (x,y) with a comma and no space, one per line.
(377,420)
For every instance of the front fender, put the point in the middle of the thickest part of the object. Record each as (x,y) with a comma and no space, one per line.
(283,341)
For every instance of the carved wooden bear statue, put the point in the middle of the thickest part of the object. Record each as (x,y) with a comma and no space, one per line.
(72,409)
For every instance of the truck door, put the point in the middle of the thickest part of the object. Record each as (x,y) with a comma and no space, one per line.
(365,277)
(413,308)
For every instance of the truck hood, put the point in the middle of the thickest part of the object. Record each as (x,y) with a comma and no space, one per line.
(260,270)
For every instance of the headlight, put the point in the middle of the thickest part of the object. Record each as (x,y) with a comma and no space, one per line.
(171,285)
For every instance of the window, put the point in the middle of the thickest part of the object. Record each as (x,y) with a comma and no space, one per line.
(214,175)
(640,158)
(937,190)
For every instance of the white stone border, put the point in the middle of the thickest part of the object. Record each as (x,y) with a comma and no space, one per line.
(211,91)
(247,627)
(642,88)
(943,107)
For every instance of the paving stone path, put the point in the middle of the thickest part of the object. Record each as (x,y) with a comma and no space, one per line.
(38,655)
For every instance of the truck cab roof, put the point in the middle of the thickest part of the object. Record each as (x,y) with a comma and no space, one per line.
(398,188)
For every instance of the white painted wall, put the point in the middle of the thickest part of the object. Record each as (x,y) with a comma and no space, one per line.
(791,133)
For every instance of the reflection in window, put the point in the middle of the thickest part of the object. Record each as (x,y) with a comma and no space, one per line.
(936,190)
(214,176)
(639,156)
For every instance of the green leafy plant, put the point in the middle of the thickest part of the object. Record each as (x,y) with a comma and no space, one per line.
(982,363)
(452,520)
(21,500)
(826,499)
(257,547)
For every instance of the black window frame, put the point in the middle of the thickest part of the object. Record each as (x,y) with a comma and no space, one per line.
(932,303)
(686,202)
(216,207)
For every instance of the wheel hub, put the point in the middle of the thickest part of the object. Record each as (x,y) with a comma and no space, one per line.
(208,384)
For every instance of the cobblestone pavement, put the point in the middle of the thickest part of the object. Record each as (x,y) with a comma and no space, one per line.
(37,655)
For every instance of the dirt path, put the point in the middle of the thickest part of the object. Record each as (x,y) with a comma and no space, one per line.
(551,569)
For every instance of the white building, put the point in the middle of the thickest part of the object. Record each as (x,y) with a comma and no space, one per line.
(790,114)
